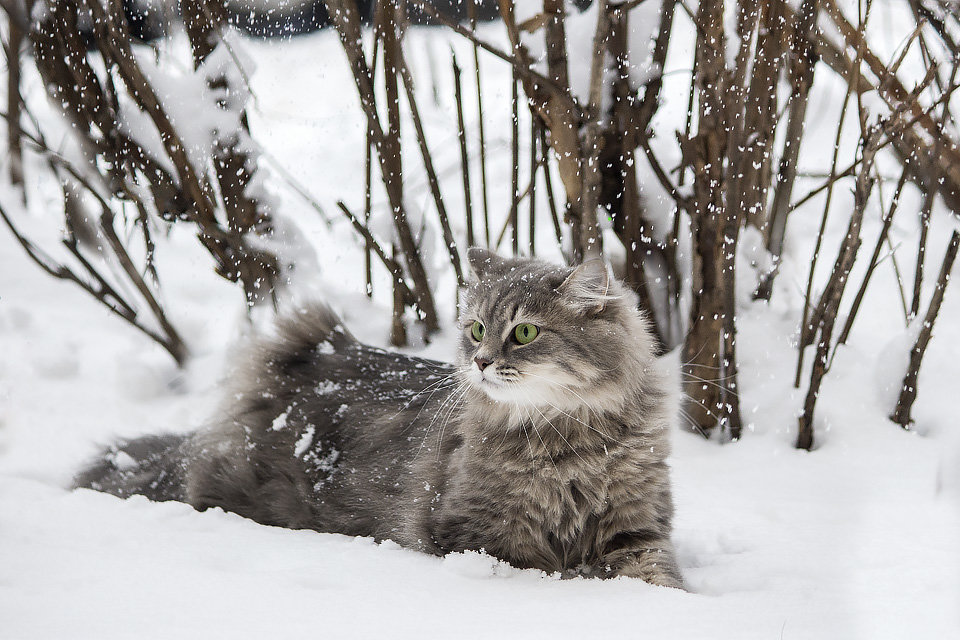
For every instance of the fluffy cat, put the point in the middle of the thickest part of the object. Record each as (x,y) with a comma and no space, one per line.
(545,445)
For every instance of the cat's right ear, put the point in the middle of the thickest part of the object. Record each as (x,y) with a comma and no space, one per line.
(483,261)
(587,288)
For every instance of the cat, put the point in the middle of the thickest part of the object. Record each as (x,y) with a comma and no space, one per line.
(544,446)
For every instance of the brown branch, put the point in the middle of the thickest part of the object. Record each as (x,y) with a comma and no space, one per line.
(563,120)
(908,390)
(398,330)
(514,166)
(548,184)
(910,143)
(534,164)
(828,308)
(861,292)
(173,342)
(803,63)
(591,240)
(464,156)
(520,66)
(170,338)
(367,211)
(808,325)
(346,19)
(103,292)
(930,194)
(390,263)
(448,239)
(472,13)
(15,38)
(651,95)
(672,190)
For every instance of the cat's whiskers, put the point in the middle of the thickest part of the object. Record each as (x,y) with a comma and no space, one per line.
(455,410)
(705,408)
(554,427)
(461,384)
(436,385)
(447,404)
(454,386)
(691,363)
(592,428)
(700,365)
(450,411)
(506,432)
(686,416)
(701,405)
(533,458)
(425,402)
(713,383)
(546,449)
(711,368)
(433,367)
(720,379)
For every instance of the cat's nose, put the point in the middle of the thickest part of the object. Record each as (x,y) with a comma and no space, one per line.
(482,362)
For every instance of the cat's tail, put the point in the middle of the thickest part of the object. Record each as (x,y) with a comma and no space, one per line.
(152,466)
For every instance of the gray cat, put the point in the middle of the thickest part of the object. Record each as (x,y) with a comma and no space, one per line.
(544,446)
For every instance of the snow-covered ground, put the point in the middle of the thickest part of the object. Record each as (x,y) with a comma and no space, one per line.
(857,539)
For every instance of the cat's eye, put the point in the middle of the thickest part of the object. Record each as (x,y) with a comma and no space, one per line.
(525,333)
(477,330)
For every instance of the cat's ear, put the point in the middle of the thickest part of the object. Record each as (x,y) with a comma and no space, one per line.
(587,288)
(483,262)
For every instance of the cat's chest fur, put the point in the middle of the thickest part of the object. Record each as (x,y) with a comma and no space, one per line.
(532,498)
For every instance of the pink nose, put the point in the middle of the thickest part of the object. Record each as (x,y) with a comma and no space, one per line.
(482,362)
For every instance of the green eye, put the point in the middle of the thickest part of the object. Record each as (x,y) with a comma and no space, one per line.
(477,331)
(525,333)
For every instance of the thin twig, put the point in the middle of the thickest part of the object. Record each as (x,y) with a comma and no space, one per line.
(683,203)
(390,263)
(534,163)
(932,188)
(908,390)
(472,13)
(448,239)
(519,68)
(824,317)
(808,325)
(884,231)
(103,293)
(548,183)
(514,165)
(464,156)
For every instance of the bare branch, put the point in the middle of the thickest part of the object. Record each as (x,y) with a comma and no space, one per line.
(390,263)
(908,391)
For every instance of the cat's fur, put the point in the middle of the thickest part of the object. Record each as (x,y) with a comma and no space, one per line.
(550,457)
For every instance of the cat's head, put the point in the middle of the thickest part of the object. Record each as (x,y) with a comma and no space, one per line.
(542,335)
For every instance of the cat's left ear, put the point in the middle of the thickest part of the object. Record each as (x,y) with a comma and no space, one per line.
(587,288)
(483,262)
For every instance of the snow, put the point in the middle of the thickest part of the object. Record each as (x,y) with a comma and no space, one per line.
(280,422)
(325,348)
(301,446)
(327,387)
(856,539)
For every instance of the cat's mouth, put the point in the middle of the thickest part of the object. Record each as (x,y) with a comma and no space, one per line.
(485,380)
(494,383)
(499,388)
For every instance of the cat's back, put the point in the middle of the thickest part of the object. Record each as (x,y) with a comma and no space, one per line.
(317,428)
(314,365)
